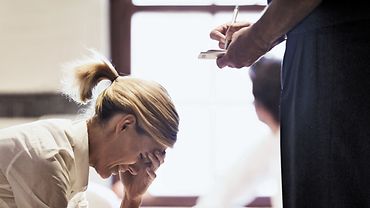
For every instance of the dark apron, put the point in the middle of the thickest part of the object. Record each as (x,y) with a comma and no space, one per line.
(325,110)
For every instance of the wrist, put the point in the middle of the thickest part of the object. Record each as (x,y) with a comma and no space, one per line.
(131,202)
(261,37)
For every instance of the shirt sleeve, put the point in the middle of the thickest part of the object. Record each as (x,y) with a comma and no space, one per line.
(40,181)
(78,201)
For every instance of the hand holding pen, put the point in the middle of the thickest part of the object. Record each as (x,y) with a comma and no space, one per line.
(233,20)
(243,43)
(223,34)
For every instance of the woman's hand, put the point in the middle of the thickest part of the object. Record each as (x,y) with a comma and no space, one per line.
(141,175)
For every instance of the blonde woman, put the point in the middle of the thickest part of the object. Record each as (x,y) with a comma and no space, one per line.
(45,163)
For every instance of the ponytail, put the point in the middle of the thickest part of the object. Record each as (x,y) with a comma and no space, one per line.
(147,100)
(79,83)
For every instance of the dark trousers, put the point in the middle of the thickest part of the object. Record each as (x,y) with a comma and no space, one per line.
(325,117)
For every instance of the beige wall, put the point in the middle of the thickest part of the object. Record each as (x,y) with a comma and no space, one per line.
(38,36)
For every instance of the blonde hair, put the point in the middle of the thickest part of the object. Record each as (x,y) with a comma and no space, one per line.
(148,101)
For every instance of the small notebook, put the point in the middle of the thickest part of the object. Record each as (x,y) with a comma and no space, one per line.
(211,54)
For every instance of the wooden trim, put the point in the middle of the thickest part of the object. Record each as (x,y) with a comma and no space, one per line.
(201,8)
(121,12)
(35,105)
(120,29)
(189,201)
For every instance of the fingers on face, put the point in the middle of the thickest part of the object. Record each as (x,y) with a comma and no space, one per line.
(160,156)
(151,173)
(156,159)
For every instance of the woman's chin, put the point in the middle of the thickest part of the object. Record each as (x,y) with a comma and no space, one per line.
(104,175)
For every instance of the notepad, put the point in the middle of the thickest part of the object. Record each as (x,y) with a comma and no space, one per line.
(211,54)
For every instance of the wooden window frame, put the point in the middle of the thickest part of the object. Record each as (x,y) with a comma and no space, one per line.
(121,12)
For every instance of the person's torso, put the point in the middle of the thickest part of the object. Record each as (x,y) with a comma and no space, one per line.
(330,13)
(34,142)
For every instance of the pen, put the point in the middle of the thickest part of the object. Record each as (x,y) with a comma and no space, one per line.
(233,20)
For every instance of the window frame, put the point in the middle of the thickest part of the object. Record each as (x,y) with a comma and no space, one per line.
(121,12)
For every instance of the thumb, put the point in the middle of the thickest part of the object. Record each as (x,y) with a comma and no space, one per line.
(222,61)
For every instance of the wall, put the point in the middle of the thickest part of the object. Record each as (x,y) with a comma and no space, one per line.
(38,36)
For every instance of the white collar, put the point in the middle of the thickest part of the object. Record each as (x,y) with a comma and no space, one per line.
(80,145)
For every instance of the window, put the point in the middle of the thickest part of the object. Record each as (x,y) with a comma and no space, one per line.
(198,2)
(217,119)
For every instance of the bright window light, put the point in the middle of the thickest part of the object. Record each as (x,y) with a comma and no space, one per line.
(217,119)
(240,2)
(171,2)
(197,2)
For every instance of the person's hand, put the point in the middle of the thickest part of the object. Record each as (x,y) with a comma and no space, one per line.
(118,189)
(245,48)
(142,174)
(225,32)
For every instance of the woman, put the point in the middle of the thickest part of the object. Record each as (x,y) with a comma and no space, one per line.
(45,163)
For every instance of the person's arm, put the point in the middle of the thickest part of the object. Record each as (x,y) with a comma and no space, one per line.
(135,185)
(39,182)
(251,42)
(131,203)
(280,16)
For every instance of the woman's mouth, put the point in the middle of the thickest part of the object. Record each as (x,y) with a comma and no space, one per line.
(121,169)
(114,170)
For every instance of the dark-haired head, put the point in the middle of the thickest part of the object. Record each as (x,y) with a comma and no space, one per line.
(265,76)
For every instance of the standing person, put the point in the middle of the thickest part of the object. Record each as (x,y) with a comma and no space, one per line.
(242,180)
(325,99)
(45,163)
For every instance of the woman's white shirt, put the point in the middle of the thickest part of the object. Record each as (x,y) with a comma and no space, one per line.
(43,163)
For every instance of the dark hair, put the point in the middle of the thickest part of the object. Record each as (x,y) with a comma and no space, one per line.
(265,76)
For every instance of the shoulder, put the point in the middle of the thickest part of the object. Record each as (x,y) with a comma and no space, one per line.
(38,143)
(35,128)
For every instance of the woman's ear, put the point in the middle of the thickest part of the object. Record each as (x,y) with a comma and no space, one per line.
(125,122)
